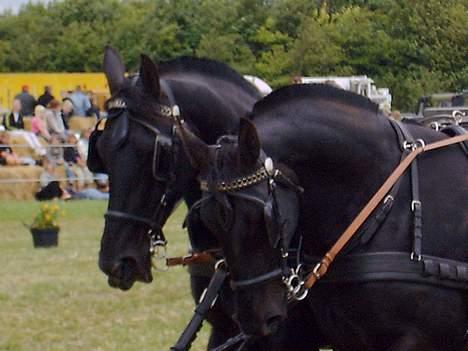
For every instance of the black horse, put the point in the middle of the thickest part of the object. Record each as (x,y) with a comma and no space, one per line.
(133,150)
(339,149)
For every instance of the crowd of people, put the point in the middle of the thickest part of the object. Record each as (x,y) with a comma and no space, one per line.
(54,145)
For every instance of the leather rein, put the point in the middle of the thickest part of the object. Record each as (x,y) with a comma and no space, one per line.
(418,148)
(297,286)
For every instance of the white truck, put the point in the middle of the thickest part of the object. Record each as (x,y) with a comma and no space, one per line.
(361,85)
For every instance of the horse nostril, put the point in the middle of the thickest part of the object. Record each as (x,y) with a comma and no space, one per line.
(273,323)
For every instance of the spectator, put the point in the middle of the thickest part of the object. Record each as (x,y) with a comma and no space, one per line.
(27,101)
(50,187)
(39,123)
(15,119)
(80,102)
(75,166)
(54,119)
(55,151)
(101,192)
(67,111)
(14,123)
(45,98)
(8,157)
(83,143)
(93,111)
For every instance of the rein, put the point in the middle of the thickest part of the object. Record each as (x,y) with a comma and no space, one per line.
(297,286)
(418,148)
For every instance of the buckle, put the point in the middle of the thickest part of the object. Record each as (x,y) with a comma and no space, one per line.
(316,269)
(415,257)
(414,204)
(413,145)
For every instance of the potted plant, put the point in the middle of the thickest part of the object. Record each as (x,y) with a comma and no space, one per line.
(44,228)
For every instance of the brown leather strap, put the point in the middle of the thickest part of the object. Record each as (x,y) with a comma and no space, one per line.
(322,267)
(194,258)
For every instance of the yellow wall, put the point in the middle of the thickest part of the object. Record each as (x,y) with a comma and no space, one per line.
(11,83)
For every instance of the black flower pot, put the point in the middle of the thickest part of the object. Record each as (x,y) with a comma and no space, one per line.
(45,237)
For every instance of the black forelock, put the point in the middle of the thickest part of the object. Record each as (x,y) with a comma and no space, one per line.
(311,91)
(206,66)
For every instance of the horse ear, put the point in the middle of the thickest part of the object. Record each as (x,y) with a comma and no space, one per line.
(114,69)
(149,76)
(195,148)
(249,143)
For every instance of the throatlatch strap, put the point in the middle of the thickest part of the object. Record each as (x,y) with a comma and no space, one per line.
(209,298)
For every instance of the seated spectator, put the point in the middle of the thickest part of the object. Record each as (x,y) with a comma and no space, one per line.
(75,166)
(101,192)
(54,119)
(14,123)
(67,111)
(55,151)
(45,98)
(50,187)
(28,102)
(39,123)
(93,111)
(80,102)
(8,157)
(15,119)
(83,143)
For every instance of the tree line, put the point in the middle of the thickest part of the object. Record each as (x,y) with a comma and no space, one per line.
(413,47)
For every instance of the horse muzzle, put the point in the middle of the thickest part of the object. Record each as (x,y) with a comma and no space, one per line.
(126,272)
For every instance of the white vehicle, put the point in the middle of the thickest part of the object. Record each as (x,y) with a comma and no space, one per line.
(260,84)
(361,85)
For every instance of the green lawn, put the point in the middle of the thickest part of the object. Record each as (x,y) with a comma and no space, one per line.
(57,299)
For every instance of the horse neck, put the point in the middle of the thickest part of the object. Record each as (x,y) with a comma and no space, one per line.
(340,159)
(211,105)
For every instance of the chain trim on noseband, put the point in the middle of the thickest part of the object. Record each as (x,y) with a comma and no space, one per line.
(240,183)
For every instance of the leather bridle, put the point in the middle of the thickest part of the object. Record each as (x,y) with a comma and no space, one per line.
(272,176)
(155,224)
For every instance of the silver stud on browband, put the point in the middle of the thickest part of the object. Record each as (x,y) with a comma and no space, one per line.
(269,167)
(175,111)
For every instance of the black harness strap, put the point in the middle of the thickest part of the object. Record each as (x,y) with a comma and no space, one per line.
(207,301)
(395,266)
(416,205)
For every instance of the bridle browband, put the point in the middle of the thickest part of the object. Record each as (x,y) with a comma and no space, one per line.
(155,233)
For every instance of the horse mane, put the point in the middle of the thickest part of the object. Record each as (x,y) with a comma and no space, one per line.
(209,67)
(311,91)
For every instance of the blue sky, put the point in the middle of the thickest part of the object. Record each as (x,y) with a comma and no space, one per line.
(15,4)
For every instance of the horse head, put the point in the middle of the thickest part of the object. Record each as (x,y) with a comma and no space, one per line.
(134,149)
(253,208)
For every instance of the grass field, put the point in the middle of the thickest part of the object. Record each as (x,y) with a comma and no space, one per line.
(57,299)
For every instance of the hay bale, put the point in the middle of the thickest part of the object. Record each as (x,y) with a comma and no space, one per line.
(80,124)
(16,139)
(27,123)
(19,190)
